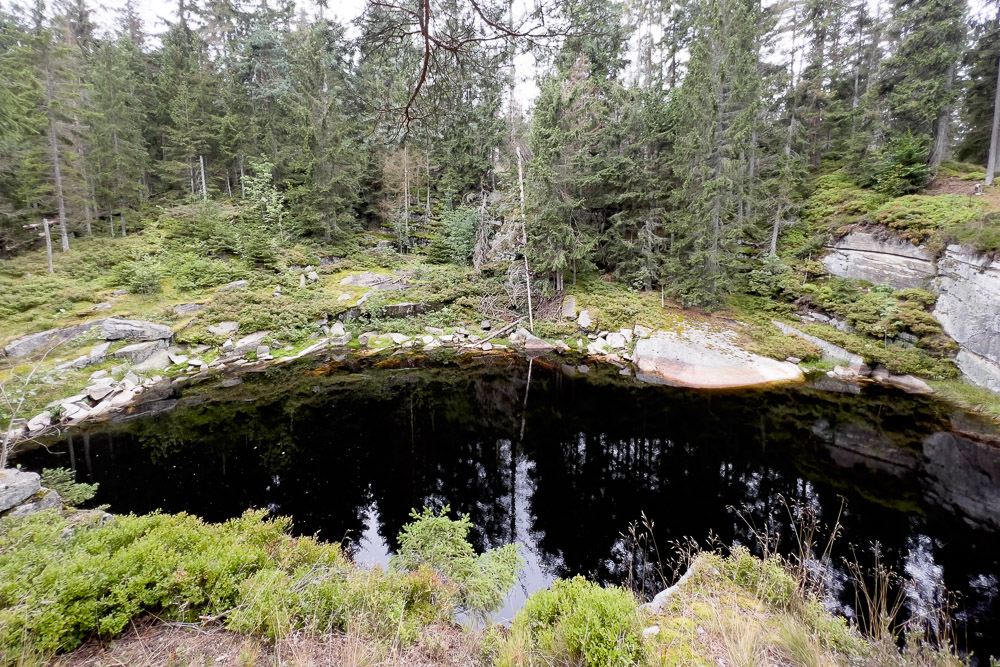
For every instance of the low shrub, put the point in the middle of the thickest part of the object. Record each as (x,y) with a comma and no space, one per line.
(63,481)
(576,622)
(480,582)
(60,584)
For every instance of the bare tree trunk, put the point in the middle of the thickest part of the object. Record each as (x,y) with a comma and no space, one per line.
(406,199)
(524,236)
(86,217)
(54,156)
(229,184)
(111,223)
(204,185)
(991,164)
(123,225)
(48,243)
(428,164)
(243,190)
(941,130)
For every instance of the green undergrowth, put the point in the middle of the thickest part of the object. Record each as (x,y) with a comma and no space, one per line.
(62,583)
(837,204)
(736,609)
(937,220)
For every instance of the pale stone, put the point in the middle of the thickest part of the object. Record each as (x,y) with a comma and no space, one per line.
(139,330)
(585,321)
(16,486)
(880,259)
(707,359)
(434,330)
(569,308)
(338,329)
(398,338)
(224,328)
(136,353)
(617,341)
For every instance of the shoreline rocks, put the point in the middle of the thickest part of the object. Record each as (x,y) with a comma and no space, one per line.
(705,359)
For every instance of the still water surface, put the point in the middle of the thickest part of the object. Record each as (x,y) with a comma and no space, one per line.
(563,463)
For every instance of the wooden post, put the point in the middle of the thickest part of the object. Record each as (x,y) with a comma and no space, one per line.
(48,243)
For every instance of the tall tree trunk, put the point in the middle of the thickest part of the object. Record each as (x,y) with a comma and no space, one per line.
(54,156)
(941,129)
(204,185)
(48,244)
(406,199)
(86,217)
(524,236)
(991,163)
(122,214)
(243,189)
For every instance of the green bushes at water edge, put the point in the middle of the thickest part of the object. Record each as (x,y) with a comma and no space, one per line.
(60,583)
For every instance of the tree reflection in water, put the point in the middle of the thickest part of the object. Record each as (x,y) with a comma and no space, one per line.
(563,463)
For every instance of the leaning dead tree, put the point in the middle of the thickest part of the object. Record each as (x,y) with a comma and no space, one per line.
(444,39)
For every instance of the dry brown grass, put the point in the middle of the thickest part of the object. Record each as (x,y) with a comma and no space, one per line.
(152,642)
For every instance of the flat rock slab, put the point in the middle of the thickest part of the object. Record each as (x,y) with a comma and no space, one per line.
(138,352)
(708,360)
(138,330)
(159,361)
(26,345)
(379,281)
(224,328)
(248,343)
(16,486)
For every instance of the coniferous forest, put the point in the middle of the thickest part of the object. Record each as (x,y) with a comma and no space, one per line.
(670,144)
(672,326)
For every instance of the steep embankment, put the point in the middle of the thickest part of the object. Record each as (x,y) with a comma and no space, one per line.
(967,284)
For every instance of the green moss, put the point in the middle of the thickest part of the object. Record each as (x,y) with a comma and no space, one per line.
(927,218)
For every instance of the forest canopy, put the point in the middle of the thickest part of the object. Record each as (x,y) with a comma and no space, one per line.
(670,145)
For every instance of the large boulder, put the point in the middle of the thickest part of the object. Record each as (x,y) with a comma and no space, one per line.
(159,361)
(533,343)
(137,353)
(249,343)
(138,330)
(27,345)
(16,486)
(45,499)
(707,359)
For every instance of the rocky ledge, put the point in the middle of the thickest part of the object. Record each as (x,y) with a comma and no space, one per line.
(706,359)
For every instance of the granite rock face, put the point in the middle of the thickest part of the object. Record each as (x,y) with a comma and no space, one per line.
(967,284)
(969,311)
(27,345)
(878,260)
(137,330)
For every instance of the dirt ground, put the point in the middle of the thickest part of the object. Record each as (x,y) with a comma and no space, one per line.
(152,642)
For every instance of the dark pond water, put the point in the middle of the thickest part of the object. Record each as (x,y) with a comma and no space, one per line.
(562,464)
